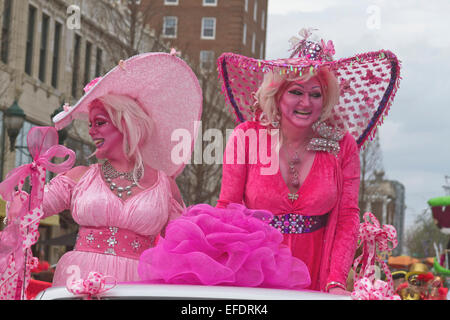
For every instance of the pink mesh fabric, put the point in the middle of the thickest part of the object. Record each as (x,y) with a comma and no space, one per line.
(229,247)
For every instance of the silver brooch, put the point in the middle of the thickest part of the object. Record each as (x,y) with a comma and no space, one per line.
(328,139)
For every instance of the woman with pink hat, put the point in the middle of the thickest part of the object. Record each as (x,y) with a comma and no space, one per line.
(123,203)
(292,162)
(319,111)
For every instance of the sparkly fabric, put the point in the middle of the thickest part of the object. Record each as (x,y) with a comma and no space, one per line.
(332,186)
(169,92)
(94,205)
(114,241)
(296,223)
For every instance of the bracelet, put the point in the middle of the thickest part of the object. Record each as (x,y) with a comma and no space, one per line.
(334,284)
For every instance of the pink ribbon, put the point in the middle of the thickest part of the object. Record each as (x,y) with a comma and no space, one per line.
(93,285)
(25,211)
(366,289)
(373,237)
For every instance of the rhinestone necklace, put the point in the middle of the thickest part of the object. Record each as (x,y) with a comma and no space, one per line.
(110,173)
(294,177)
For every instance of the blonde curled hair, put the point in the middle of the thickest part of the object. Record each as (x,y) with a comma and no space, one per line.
(133,122)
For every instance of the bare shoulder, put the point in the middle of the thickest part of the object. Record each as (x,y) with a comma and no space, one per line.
(76,173)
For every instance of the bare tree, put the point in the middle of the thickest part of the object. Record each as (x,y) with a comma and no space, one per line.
(127,23)
(422,236)
(371,165)
(201,182)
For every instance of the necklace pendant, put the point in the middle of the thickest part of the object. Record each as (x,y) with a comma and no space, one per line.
(292,196)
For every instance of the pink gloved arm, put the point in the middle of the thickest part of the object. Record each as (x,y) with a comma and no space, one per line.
(347,229)
(234,169)
(57,195)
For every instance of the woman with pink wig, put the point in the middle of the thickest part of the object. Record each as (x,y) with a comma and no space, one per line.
(124,202)
(303,121)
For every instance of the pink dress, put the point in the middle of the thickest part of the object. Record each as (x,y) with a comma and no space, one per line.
(331,189)
(94,206)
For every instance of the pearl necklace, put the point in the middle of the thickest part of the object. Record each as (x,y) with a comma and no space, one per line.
(110,173)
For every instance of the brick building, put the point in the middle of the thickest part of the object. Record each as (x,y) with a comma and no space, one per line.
(204,29)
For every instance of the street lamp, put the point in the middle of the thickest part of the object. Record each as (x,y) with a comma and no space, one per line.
(14,119)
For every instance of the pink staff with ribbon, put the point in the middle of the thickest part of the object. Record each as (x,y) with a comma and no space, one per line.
(373,236)
(24,210)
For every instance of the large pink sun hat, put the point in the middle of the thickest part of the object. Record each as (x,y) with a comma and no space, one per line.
(168,91)
(368,82)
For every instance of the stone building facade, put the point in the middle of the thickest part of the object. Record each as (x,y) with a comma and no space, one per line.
(386,201)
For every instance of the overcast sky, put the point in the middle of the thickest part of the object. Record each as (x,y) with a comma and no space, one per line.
(415,138)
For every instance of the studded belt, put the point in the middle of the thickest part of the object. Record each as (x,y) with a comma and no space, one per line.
(113,241)
(297,223)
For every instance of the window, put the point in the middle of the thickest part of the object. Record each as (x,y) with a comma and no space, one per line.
(206,60)
(30,40)
(170,27)
(6,30)
(212,3)
(98,62)
(253,43)
(171,2)
(56,52)
(263,20)
(87,63)
(76,65)
(43,50)
(22,154)
(244,34)
(208,28)
(246,5)
(255,10)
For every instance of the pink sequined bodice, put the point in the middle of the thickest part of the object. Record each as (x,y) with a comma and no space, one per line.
(94,205)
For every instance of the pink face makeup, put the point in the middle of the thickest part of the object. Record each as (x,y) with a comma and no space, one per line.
(107,138)
(301,103)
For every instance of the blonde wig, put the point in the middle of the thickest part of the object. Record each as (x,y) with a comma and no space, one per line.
(133,122)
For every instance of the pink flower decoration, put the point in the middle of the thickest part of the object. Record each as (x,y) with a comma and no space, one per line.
(66,107)
(328,48)
(174,52)
(91,84)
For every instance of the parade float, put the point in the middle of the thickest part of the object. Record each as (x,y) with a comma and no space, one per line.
(440,208)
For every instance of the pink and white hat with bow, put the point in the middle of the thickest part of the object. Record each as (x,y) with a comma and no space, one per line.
(368,82)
